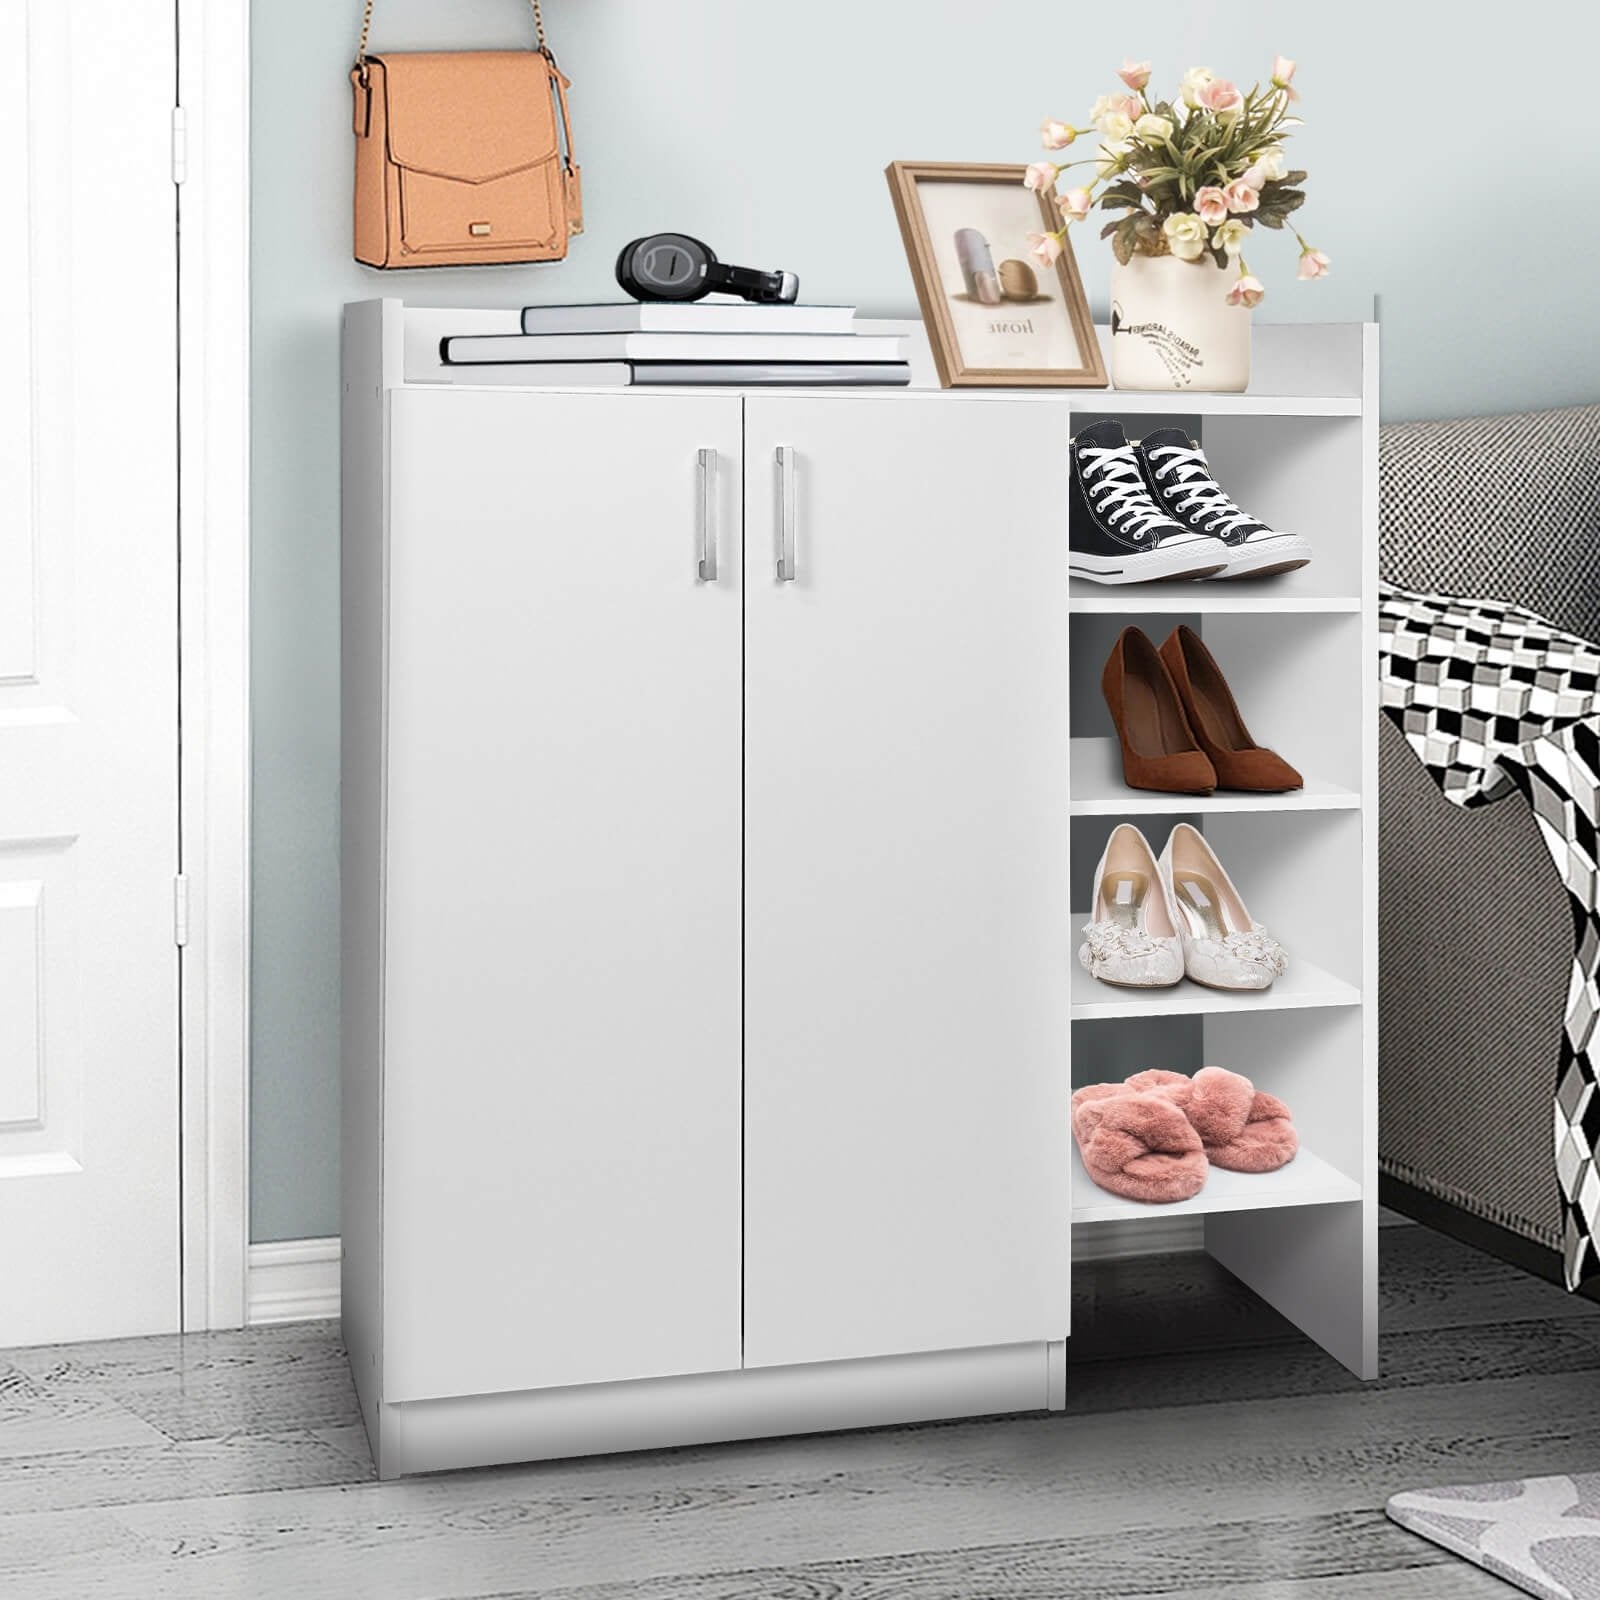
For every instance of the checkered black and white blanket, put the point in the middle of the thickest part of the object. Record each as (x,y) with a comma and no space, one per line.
(1495,700)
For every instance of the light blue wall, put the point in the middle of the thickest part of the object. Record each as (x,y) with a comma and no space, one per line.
(764,127)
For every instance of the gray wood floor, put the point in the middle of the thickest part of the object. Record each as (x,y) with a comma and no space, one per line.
(1206,1451)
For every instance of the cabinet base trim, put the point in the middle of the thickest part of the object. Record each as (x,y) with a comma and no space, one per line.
(712,1408)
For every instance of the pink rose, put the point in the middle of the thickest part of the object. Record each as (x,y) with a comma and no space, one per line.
(1282,72)
(1313,264)
(1253,177)
(1136,74)
(1246,291)
(1045,248)
(1074,204)
(1211,205)
(1041,175)
(1220,96)
(1056,135)
(1131,105)
(1240,196)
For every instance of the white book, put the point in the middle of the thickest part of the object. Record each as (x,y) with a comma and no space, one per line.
(731,374)
(469,348)
(698,316)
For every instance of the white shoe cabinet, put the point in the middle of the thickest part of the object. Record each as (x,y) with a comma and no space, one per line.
(720,771)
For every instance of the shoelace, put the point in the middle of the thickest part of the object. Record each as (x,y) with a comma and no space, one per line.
(1112,477)
(1203,491)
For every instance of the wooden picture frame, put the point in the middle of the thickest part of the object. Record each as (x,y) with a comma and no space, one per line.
(975,342)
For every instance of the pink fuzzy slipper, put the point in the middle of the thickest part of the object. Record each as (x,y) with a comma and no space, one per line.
(1243,1128)
(1139,1146)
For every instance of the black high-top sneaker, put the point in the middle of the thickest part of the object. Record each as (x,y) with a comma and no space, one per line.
(1117,533)
(1175,468)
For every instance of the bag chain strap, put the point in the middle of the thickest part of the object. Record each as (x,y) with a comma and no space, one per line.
(366,30)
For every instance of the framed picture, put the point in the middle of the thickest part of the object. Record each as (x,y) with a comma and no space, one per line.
(993,314)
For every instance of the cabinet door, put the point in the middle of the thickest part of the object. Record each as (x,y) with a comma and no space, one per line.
(562,949)
(906,877)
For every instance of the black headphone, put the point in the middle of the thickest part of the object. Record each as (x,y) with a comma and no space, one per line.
(672,266)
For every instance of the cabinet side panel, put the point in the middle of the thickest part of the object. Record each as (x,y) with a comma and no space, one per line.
(360,842)
(1320,1266)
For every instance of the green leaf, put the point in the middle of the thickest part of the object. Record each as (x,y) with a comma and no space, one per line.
(1294,177)
(1277,202)
(1110,228)
(1121,194)
(1122,240)
(1270,219)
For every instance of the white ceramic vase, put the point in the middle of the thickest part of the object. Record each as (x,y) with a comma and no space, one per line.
(1172,328)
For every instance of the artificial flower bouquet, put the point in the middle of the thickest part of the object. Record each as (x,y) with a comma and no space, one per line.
(1191,175)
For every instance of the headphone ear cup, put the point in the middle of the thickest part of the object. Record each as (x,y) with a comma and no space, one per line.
(665,266)
(625,278)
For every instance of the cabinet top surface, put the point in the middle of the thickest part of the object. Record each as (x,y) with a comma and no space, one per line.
(1097,402)
(1299,369)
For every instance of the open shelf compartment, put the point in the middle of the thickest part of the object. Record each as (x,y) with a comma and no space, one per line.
(1298,471)
(1297,689)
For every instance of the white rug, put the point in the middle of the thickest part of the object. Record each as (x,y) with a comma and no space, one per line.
(1542,1534)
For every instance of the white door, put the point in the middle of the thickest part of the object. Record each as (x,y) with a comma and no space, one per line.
(561,1078)
(906,886)
(89,1243)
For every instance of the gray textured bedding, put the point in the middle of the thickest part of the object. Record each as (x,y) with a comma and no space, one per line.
(1477,936)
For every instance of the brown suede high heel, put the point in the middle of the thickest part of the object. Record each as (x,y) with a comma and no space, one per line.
(1208,702)
(1159,750)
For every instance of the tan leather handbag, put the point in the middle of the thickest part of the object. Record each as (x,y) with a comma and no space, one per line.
(458,161)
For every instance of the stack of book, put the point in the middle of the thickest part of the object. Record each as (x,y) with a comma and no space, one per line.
(700,342)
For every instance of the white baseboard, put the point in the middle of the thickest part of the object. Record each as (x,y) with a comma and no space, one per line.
(297,1280)
(292,1280)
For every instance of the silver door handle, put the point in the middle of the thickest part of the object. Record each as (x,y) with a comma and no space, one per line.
(787,512)
(707,480)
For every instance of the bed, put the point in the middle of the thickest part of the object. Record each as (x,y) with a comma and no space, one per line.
(1489,1118)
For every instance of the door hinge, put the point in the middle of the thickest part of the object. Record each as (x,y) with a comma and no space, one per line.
(180,910)
(180,144)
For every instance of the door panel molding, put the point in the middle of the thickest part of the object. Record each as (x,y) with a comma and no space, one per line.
(21,1009)
(41,1049)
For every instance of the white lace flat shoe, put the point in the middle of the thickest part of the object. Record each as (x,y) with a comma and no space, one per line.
(1223,946)
(1132,939)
